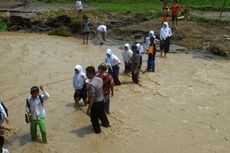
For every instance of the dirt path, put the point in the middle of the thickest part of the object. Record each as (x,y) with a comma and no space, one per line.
(183,107)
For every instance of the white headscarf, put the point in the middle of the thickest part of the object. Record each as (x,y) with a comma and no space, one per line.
(79,78)
(112,60)
(165,31)
(127,54)
(151,34)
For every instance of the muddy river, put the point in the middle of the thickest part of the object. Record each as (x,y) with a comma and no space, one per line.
(181,108)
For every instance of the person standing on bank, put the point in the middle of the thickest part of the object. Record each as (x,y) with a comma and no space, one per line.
(36,111)
(102,32)
(113,61)
(79,84)
(165,34)
(79,8)
(127,57)
(86,29)
(175,10)
(96,100)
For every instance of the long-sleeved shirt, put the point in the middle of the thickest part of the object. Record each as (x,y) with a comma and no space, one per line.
(165,32)
(35,106)
(5,150)
(127,55)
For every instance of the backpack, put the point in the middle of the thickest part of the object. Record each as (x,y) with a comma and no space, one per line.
(27,101)
(5,109)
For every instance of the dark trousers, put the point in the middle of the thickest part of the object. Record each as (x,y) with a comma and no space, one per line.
(127,67)
(98,113)
(115,72)
(165,44)
(135,76)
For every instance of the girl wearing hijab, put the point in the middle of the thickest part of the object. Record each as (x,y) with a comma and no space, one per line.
(113,61)
(141,51)
(79,84)
(165,34)
(148,42)
(127,54)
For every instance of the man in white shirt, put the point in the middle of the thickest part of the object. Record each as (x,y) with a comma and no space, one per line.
(102,32)
(36,111)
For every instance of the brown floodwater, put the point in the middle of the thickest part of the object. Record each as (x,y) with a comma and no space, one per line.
(181,108)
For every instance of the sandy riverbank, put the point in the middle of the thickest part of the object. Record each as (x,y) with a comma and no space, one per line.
(183,107)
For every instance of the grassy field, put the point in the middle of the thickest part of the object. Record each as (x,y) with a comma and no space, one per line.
(147,6)
(202,3)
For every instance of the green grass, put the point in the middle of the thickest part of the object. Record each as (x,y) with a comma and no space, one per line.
(138,7)
(213,3)
(55,1)
(205,3)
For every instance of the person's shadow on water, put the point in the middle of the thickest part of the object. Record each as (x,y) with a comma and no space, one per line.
(83,131)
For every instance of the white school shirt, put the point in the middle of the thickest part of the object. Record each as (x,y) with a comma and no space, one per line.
(127,55)
(78,5)
(36,108)
(3,114)
(140,48)
(5,150)
(102,28)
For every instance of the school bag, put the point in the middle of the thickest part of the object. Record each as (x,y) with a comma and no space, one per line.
(27,101)
(5,109)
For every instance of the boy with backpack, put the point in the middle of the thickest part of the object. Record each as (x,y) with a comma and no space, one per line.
(36,112)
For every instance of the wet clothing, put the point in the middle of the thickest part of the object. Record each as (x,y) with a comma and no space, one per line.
(113,61)
(95,89)
(79,83)
(81,93)
(35,107)
(98,113)
(151,58)
(141,51)
(165,34)
(33,128)
(108,84)
(134,67)
(127,57)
